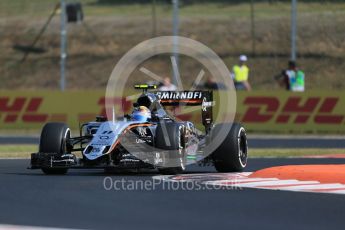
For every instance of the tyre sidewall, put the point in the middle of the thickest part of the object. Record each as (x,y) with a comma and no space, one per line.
(227,157)
(53,138)
(174,133)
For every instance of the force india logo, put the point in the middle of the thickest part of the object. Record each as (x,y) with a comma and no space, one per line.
(168,95)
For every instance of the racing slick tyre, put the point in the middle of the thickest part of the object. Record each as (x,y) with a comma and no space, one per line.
(232,154)
(169,136)
(53,140)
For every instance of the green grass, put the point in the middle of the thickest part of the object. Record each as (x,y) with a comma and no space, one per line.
(17,151)
(292,152)
(23,151)
(225,28)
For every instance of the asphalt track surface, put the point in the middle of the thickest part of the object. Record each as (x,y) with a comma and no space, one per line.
(79,200)
(254,142)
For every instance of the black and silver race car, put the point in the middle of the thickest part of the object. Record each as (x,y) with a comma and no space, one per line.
(148,138)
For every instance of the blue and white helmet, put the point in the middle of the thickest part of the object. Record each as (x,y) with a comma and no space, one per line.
(142,114)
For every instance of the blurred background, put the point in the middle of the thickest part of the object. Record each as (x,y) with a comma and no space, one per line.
(261,29)
(55,64)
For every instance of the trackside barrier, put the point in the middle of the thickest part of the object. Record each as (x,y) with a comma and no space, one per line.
(287,112)
(275,112)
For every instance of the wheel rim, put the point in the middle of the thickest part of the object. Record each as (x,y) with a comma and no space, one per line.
(181,150)
(64,141)
(243,148)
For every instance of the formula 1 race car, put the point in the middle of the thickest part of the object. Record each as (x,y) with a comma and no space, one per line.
(148,138)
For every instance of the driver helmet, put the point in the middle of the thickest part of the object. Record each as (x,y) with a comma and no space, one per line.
(141,114)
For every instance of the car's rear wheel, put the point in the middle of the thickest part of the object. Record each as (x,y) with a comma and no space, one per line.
(53,140)
(170,136)
(231,155)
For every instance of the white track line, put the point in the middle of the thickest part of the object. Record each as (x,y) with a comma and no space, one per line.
(290,185)
(337,191)
(263,183)
(313,187)
(246,180)
(240,181)
(243,180)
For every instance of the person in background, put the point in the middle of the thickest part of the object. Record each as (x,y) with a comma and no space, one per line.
(167,85)
(210,83)
(292,78)
(240,74)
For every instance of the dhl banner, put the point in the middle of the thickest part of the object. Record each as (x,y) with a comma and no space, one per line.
(291,112)
(275,112)
(32,109)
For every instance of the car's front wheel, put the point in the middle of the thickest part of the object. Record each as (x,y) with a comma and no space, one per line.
(170,136)
(53,140)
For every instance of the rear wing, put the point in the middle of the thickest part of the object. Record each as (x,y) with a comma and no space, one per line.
(190,98)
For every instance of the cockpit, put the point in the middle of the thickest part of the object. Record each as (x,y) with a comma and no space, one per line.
(151,102)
